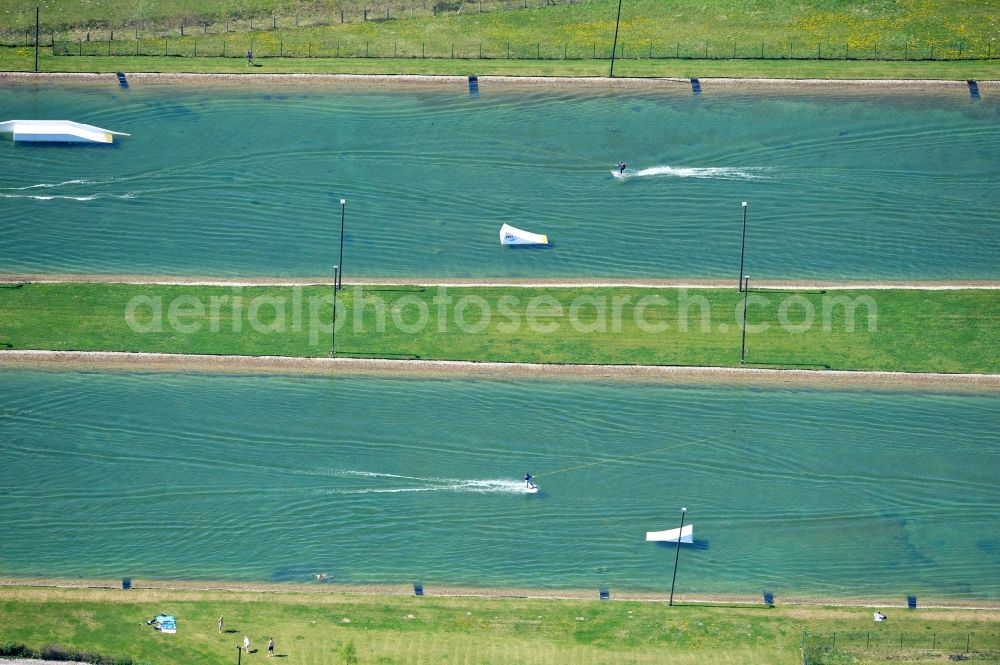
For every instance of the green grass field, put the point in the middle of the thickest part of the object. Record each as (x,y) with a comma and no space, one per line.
(822,38)
(22,60)
(904,330)
(328,628)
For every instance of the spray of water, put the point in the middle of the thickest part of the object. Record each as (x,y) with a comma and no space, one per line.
(712,172)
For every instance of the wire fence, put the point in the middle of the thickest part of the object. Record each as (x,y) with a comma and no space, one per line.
(843,647)
(314,36)
(270,45)
(343,12)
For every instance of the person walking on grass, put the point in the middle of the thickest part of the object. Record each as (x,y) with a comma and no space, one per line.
(246,643)
(270,647)
(222,623)
(249,58)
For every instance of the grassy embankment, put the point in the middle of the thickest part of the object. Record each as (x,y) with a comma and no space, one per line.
(915,331)
(311,629)
(561,39)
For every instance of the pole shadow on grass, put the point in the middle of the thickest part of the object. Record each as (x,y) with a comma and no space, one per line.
(374,355)
(396,289)
(779,364)
(790,292)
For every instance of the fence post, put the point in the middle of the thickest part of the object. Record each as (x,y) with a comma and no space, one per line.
(274,23)
(366,49)
(847,51)
(906,51)
(961,47)
(164,46)
(182,29)
(538,51)
(868,641)
(196,48)
(341,16)
(901,641)
(677,53)
(834,647)
(223,48)
(508,50)
(453,50)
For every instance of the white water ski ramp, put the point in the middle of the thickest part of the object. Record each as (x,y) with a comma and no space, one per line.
(670,535)
(510,235)
(57,131)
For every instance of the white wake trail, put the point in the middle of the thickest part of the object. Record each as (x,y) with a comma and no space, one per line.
(712,172)
(480,486)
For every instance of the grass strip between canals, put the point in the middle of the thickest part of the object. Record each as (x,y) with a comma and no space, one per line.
(891,330)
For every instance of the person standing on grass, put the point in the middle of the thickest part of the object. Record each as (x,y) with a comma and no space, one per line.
(246,643)
(249,58)
(270,647)
(222,623)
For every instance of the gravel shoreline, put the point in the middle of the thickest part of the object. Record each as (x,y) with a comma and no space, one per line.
(525,282)
(165,362)
(485,81)
(8,586)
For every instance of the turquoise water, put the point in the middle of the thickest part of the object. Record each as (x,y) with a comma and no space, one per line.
(247,181)
(392,480)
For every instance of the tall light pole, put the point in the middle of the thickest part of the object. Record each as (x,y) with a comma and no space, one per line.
(36,38)
(333,341)
(343,204)
(614,46)
(743,244)
(743,344)
(677,556)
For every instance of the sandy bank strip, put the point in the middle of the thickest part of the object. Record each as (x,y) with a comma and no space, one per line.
(148,591)
(486,81)
(165,362)
(548,282)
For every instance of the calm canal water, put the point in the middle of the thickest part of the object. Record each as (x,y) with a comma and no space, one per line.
(247,181)
(382,480)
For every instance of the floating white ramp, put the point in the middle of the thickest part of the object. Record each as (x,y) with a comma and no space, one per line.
(514,236)
(57,131)
(670,535)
